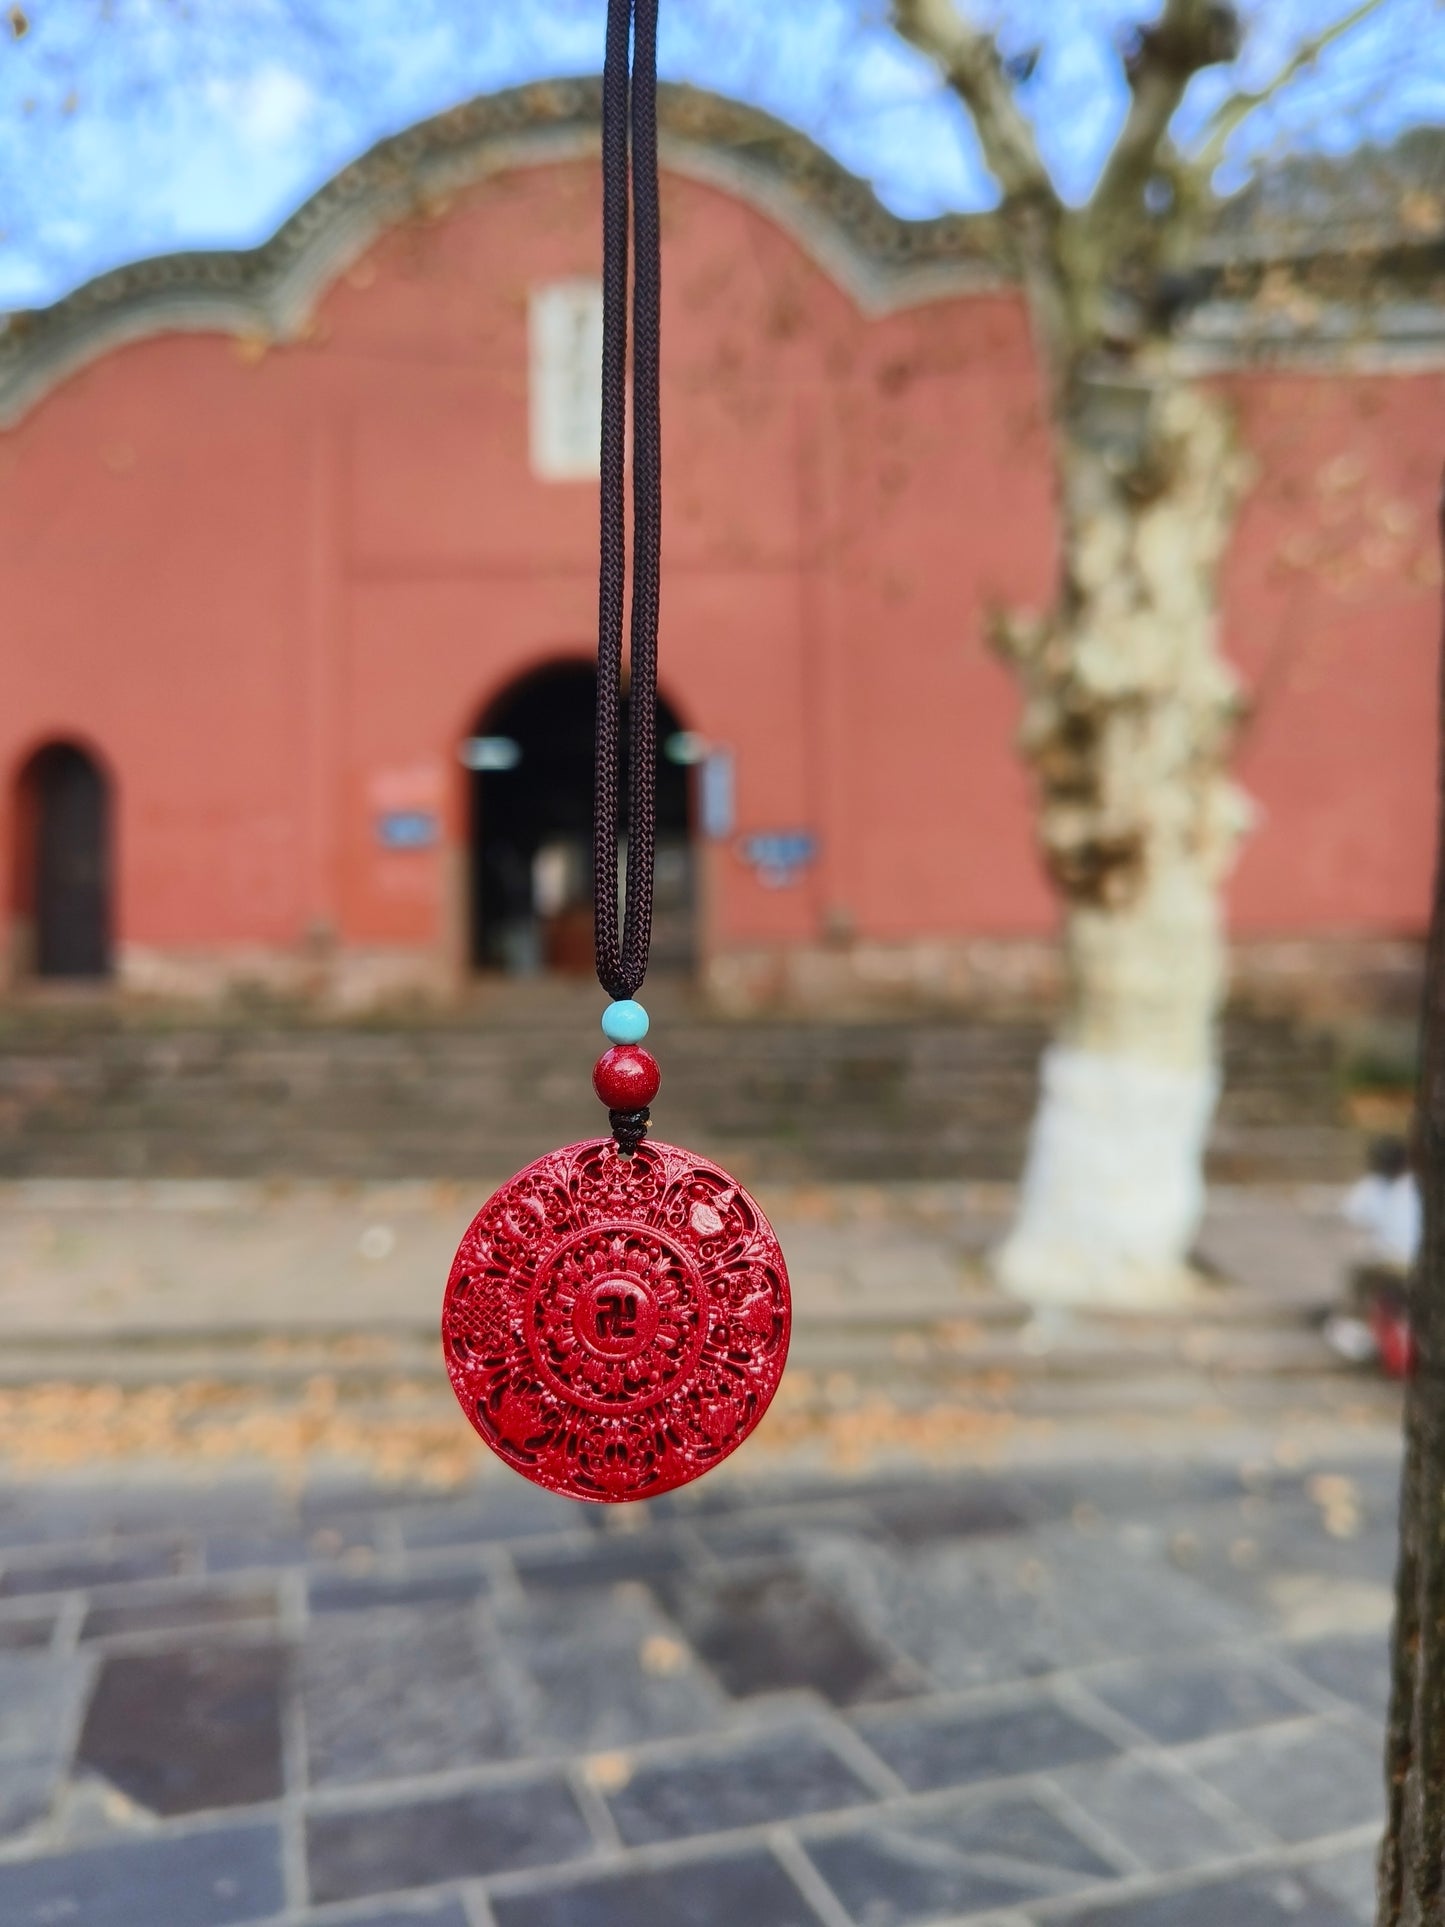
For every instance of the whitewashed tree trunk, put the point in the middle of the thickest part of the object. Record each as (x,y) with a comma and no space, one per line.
(1128,718)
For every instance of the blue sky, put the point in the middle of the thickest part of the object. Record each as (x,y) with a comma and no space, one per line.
(129,127)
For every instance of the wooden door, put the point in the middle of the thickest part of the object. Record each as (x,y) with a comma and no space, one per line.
(72,865)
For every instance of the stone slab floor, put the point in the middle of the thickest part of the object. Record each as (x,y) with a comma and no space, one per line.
(1116,1695)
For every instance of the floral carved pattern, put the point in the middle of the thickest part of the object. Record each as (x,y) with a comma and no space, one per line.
(616,1326)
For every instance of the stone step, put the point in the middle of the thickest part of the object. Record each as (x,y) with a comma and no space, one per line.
(961,1356)
(97,1093)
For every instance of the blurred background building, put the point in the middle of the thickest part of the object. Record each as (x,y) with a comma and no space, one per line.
(298,552)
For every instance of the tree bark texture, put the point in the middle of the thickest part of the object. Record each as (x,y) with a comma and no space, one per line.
(1412,1858)
(1130,705)
(1129,713)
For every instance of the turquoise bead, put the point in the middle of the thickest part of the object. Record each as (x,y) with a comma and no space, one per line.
(625,1022)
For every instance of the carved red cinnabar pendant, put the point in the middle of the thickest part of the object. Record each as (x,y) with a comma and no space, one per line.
(617,1325)
(617,1318)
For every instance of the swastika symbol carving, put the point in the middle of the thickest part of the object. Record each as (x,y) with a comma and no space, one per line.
(617,1315)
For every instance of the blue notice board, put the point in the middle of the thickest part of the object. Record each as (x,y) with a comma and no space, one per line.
(407,829)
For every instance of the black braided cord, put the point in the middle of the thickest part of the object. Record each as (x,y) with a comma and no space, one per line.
(622,958)
(629,1128)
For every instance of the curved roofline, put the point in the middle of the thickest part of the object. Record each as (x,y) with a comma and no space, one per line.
(879,259)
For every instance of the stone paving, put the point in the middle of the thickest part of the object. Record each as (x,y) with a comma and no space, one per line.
(286,1647)
(213,1256)
(1117,1694)
(209,1320)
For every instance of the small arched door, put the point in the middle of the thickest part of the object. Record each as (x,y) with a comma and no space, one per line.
(65,814)
(531,828)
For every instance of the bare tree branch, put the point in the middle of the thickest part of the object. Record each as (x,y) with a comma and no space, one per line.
(1189,36)
(1238,108)
(969,61)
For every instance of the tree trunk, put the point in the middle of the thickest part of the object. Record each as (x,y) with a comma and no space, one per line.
(1412,1859)
(1129,713)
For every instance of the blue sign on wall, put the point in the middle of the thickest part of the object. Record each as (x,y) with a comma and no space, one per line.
(407,829)
(779,856)
(716,785)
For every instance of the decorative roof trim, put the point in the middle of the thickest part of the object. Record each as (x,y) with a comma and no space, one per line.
(880,260)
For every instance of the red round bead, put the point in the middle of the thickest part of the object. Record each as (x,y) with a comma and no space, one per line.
(626,1078)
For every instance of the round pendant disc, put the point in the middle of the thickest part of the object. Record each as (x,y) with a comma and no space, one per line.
(616,1326)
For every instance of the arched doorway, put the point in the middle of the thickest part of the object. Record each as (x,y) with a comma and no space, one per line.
(64,863)
(531,759)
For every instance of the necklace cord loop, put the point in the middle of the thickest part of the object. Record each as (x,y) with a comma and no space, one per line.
(628,204)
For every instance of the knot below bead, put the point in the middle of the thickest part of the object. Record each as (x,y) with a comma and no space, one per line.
(629,1128)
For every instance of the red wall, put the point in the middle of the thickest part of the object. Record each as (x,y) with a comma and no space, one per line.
(1331,612)
(275,589)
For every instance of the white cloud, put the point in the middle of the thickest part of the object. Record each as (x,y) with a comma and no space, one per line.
(269,106)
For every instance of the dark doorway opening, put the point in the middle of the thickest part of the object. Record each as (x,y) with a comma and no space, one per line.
(65,862)
(531,828)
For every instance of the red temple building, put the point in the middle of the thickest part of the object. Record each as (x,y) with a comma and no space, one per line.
(298,569)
